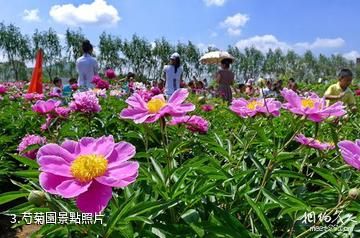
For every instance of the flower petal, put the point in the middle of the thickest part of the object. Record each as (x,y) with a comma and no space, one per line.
(55,165)
(72,188)
(179,96)
(121,175)
(95,199)
(49,182)
(56,150)
(123,151)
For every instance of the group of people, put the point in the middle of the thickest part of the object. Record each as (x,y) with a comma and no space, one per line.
(172,79)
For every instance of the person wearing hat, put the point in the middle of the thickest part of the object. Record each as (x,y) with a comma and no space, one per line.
(172,75)
(86,66)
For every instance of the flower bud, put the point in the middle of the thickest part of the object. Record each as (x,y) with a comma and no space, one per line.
(37,198)
(354,193)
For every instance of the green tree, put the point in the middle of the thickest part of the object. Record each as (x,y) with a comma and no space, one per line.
(49,42)
(109,47)
(73,48)
(16,48)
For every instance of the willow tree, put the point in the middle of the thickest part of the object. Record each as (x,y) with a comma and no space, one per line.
(49,42)
(109,47)
(73,41)
(16,48)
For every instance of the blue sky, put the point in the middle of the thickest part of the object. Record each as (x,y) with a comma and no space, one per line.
(324,26)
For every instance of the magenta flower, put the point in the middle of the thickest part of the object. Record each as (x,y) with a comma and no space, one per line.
(46,125)
(45,107)
(155,91)
(96,79)
(249,108)
(148,112)
(193,123)
(313,143)
(207,107)
(74,86)
(85,102)
(87,170)
(110,73)
(350,151)
(33,96)
(63,112)
(313,107)
(102,84)
(30,140)
(3,89)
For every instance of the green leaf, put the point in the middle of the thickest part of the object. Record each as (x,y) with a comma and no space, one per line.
(27,173)
(25,161)
(261,215)
(326,174)
(10,196)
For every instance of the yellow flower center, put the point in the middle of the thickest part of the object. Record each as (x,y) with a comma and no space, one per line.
(87,167)
(307,103)
(253,105)
(155,105)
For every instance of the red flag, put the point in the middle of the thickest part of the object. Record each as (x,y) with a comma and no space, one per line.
(36,81)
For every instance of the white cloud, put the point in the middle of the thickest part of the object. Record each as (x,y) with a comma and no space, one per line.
(218,3)
(97,12)
(238,20)
(233,32)
(322,43)
(31,15)
(263,43)
(234,23)
(266,42)
(352,55)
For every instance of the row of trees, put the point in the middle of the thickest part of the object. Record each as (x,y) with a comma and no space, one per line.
(148,58)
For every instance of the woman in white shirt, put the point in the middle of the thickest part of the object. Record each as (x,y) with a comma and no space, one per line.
(86,66)
(172,75)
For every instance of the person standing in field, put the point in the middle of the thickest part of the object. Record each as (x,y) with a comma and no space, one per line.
(172,75)
(225,78)
(86,66)
(341,91)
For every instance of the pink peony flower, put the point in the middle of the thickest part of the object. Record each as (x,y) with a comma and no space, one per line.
(46,125)
(63,112)
(148,112)
(207,107)
(117,93)
(55,94)
(350,151)
(85,102)
(313,143)
(74,86)
(96,79)
(313,107)
(33,96)
(3,89)
(245,108)
(45,107)
(110,73)
(102,84)
(155,91)
(87,170)
(144,94)
(30,140)
(357,92)
(100,92)
(193,123)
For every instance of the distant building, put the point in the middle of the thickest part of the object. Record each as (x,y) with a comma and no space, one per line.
(358,61)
